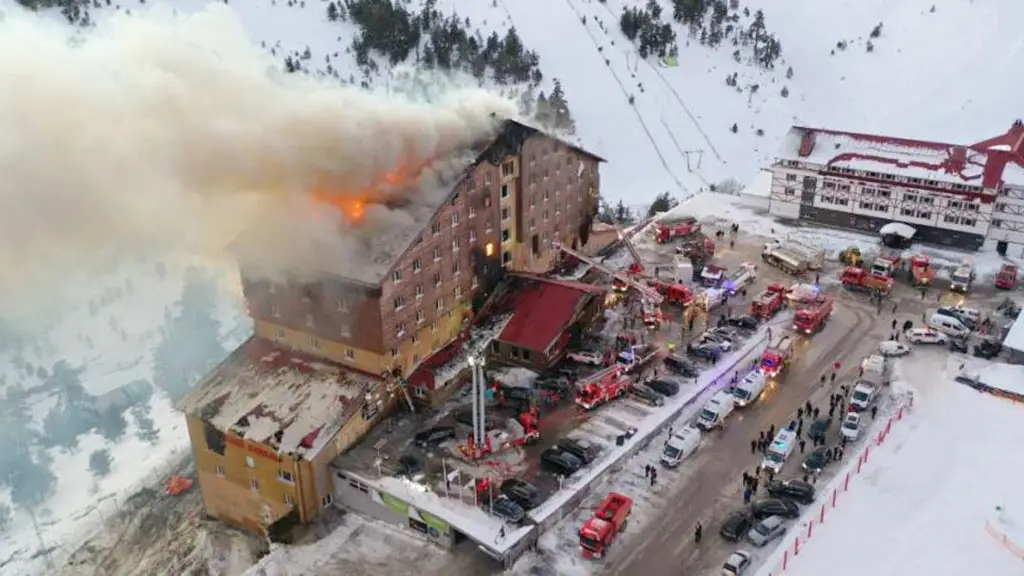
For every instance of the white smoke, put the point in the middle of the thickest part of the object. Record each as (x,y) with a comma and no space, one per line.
(175,132)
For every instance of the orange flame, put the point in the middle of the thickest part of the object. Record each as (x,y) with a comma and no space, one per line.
(352,203)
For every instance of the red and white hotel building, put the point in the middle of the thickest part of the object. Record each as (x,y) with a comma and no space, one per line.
(956,195)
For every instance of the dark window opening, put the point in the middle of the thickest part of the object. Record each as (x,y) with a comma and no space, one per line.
(535,242)
(215,440)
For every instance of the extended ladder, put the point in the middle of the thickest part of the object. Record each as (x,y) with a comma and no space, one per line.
(646,291)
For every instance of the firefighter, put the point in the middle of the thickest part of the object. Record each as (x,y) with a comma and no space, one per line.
(698,533)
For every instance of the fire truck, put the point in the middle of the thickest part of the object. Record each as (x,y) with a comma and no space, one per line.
(741,277)
(521,430)
(777,356)
(611,517)
(1007,277)
(602,387)
(674,292)
(812,318)
(886,266)
(785,260)
(712,276)
(768,302)
(670,230)
(860,279)
(921,271)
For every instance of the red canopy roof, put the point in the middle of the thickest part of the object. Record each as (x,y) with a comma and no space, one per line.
(543,310)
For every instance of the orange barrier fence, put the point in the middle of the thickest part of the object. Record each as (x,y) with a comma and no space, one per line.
(1014,548)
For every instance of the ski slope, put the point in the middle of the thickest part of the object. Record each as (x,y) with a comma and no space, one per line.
(929,502)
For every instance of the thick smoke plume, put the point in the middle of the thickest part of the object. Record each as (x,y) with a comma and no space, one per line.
(176,132)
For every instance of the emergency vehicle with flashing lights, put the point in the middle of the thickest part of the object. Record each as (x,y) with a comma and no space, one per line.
(603,387)
(768,302)
(669,230)
(812,317)
(860,279)
(777,356)
(741,277)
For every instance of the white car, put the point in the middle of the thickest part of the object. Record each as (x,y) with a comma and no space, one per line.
(893,348)
(717,339)
(585,357)
(736,564)
(926,336)
(851,426)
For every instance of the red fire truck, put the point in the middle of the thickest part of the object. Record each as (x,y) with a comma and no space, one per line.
(859,279)
(602,387)
(669,230)
(611,517)
(1007,277)
(777,356)
(674,292)
(813,316)
(921,271)
(768,302)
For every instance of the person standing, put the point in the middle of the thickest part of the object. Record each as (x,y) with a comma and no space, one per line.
(698,533)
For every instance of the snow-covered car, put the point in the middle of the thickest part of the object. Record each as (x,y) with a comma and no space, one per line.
(851,426)
(736,564)
(585,357)
(890,348)
(718,339)
(925,336)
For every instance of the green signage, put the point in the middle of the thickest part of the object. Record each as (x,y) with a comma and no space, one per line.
(397,506)
(434,522)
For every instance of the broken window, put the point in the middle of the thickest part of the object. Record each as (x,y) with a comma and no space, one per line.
(215,441)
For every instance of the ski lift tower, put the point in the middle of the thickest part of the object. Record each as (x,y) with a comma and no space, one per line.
(478,440)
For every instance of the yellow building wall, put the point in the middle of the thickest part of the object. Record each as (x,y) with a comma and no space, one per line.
(411,351)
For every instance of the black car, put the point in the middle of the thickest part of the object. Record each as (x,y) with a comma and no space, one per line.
(642,393)
(745,322)
(521,492)
(796,490)
(582,449)
(517,395)
(506,509)
(959,345)
(560,462)
(705,351)
(817,460)
(664,387)
(409,467)
(988,349)
(774,507)
(726,333)
(433,437)
(819,428)
(682,366)
(557,384)
(736,525)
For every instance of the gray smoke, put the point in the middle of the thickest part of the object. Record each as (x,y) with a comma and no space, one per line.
(175,133)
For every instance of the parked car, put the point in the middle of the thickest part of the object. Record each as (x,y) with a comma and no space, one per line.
(925,336)
(664,387)
(736,525)
(506,509)
(774,507)
(736,564)
(819,458)
(796,490)
(727,333)
(745,322)
(521,492)
(520,396)
(717,339)
(556,383)
(560,462)
(642,393)
(819,428)
(959,345)
(892,348)
(765,531)
(682,365)
(705,351)
(851,426)
(863,396)
(587,357)
(410,467)
(434,437)
(988,349)
(969,317)
(585,450)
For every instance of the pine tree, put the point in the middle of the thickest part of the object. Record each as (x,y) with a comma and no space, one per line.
(544,114)
(662,203)
(332,12)
(560,109)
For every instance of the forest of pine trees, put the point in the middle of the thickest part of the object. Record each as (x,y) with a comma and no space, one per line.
(713,22)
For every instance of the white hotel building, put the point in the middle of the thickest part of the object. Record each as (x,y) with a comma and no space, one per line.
(963,196)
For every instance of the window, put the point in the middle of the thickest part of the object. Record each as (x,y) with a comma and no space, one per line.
(472,211)
(790,191)
(345,331)
(455,244)
(925,215)
(504,191)
(415,339)
(400,329)
(458,291)
(420,317)
(433,328)
(285,476)
(439,304)
(547,195)
(472,235)
(288,500)
(506,235)
(399,302)
(907,212)
(350,354)
(949,219)
(1000,207)
(220,471)
(487,200)
(327,500)
(416,358)
(419,391)
(274,311)
(435,228)
(341,305)
(416,266)
(545,216)
(279,332)
(254,485)
(487,177)
(314,342)
(419,291)
(508,169)
(506,257)
(535,245)
(394,352)
(475,282)
(437,278)
(971,207)
(456,268)
(505,214)
(546,173)
(250,462)
(790,177)
(533,223)
(967,222)
(455,219)
(396,276)
(309,321)
(437,254)
(455,199)
(489,226)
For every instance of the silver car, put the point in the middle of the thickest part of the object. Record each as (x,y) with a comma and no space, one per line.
(766,530)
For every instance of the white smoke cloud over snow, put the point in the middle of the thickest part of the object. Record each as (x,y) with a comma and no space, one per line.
(162,131)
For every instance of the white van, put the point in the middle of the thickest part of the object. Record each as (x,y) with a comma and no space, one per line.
(863,396)
(948,325)
(779,450)
(749,389)
(716,410)
(683,443)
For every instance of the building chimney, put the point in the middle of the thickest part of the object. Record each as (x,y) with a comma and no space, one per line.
(957,160)
(807,143)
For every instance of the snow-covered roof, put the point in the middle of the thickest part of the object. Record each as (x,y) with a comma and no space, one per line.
(1015,337)
(898,229)
(285,400)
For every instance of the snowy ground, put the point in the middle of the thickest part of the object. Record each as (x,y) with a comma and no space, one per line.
(935,490)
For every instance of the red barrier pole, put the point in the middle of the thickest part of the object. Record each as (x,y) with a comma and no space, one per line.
(867,453)
(822,518)
(785,560)
(899,414)
(834,494)
(860,464)
(846,483)
(810,529)
(888,427)
(796,546)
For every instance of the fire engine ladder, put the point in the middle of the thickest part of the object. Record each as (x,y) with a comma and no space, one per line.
(597,376)
(393,382)
(647,292)
(629,247)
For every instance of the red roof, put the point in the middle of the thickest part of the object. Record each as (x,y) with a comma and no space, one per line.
(543,310)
